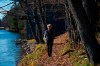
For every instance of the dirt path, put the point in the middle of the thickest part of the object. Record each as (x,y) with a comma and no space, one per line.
(56,59)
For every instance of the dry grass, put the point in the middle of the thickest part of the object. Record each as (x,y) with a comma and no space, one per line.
(31,59)
(63,55)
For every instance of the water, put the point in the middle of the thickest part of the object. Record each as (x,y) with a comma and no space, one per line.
(9,51)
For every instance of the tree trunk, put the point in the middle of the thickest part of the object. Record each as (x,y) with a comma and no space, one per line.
(24,5)
(85,29)
(71,26)
(42,13)
(92,11)
(28,30)
(32,25)
(37,21)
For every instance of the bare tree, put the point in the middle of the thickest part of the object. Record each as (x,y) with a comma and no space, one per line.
(30,18)
(86,30)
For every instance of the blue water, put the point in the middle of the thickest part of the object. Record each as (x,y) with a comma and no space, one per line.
(9,51)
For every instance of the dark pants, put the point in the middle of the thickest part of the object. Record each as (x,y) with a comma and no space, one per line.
(49,48)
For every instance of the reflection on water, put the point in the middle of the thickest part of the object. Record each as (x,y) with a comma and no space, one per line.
(9,51)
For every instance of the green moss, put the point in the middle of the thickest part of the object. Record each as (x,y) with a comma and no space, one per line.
(75,57)
(65,49)
(33,56)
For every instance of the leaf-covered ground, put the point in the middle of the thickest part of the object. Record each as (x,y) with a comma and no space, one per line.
(62,55)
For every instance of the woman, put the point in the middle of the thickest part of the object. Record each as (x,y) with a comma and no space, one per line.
(49,35)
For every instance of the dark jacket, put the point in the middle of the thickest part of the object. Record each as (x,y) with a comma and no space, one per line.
(49,36)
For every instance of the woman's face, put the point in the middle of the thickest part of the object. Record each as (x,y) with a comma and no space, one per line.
(49,28)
